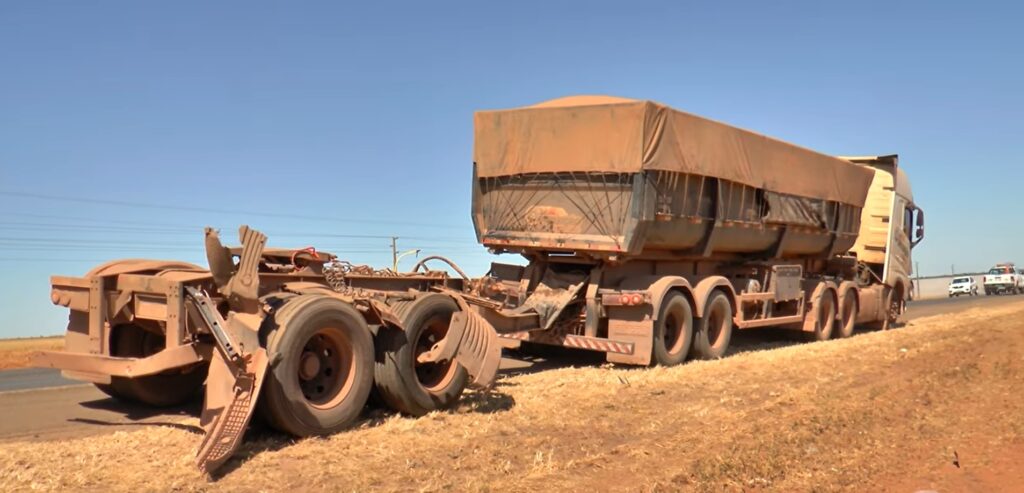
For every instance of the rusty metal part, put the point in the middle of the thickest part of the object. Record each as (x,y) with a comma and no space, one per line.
(472,342)
(228,409)
(168,359)
(242,290)
(219,258)
(232,389)
(237,372)
(336,274)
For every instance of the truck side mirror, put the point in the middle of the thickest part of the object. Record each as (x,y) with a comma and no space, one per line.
(918,228)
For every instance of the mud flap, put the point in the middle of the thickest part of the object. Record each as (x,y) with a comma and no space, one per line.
(473,343)
(230,402)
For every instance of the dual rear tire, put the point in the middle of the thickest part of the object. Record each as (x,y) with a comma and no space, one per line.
(847,319)
(825,316)
(321,366)
(678,335)
(405,384)
(325,362)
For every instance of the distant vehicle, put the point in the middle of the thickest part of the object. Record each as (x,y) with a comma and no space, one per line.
(1003,278)
(963,285)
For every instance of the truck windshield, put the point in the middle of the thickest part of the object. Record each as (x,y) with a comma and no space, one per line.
(999,270)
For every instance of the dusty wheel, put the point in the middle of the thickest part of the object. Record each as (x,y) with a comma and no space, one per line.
(170,388)
(403,383)
(825,314)
(673,332)
(847,314)
(893,304)
(321,372)
(714,328)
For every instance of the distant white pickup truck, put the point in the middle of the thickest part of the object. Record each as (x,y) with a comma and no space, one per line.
(1004,278)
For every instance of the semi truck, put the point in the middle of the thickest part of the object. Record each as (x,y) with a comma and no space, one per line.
(648,234)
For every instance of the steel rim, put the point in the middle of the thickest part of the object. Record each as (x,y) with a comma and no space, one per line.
(432,376)
(717,319)
(672,332)
(325,363)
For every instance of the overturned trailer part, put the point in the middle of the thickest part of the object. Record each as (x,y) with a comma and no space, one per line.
(294,333)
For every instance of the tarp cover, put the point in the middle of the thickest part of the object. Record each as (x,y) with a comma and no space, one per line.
(608,134)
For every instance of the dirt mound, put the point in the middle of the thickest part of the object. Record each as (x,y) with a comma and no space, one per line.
(15,353)
(880,411)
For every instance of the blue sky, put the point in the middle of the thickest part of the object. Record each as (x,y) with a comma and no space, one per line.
(310,120)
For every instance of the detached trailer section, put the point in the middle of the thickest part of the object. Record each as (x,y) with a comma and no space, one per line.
(297,333)
(652,233)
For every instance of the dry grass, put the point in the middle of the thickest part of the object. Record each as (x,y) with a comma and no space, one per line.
(880,411)
(15,353)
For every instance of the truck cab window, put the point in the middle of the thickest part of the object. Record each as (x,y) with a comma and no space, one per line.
(908,222)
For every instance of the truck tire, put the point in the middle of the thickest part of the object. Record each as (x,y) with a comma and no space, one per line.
(321,366)
(714,328)
(847,315)
(825,317)
(673,331)
(404,384)
(166,389)
(888,321)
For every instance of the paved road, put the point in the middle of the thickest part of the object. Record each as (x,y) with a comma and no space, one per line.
(32,378)
(938,306)
(40,404)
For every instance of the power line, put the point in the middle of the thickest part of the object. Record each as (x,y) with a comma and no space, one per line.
(281,215)
(195,231)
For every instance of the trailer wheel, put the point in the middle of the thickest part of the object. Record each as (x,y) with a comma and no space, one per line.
(321,371)
(825,317)
(165,389)
(714,328)
(403,383)
(673,332)
(847,314)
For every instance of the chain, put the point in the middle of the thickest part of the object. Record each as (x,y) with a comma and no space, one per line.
(337,271)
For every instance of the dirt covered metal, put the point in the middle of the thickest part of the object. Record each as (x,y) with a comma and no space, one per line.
(618,135)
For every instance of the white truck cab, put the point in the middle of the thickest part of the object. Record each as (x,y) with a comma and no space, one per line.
(1004,278)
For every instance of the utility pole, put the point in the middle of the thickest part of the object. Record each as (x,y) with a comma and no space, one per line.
(917,279)
(394,253)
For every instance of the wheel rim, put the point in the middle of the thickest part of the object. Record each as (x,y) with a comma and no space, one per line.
(894,307)
(432,376)
(717,320)
(325,364)
(673,330)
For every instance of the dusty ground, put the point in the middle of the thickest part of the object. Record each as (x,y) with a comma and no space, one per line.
(14,353)
(879,412)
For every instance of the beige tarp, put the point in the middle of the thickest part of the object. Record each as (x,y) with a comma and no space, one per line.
(605,134)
